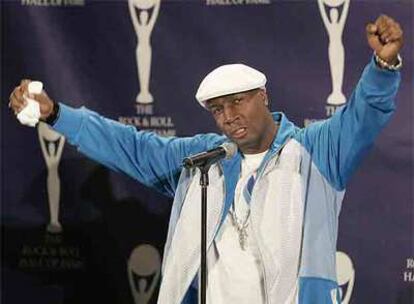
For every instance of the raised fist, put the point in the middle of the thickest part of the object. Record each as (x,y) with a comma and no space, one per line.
(385,37)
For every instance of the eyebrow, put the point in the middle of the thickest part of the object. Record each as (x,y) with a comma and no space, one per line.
(211,105)
(230,97)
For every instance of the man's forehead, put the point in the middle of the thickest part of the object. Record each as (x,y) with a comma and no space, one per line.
(230,96)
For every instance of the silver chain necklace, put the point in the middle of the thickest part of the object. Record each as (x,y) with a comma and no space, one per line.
(239,224)
(241,227)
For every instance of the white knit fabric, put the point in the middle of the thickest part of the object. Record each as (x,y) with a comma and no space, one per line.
(237,276)
(276,226)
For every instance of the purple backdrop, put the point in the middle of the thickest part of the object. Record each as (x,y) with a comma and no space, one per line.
(85,53)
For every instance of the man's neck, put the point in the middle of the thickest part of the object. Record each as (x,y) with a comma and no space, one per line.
(266,141)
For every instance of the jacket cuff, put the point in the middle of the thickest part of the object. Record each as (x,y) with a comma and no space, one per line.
(381,80)
(69,121)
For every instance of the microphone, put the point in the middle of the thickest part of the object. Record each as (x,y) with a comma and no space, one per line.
(207,158)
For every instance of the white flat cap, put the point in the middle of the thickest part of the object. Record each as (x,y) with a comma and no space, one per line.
(229,79)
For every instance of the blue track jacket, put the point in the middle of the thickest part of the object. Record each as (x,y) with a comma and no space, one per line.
(315,162)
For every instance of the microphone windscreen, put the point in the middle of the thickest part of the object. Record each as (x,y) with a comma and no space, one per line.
(230,148)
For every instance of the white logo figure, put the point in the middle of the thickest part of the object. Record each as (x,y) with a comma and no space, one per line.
(335,26)
(143,24)
(52,144)
(334,298)
(346,275)
(143,272)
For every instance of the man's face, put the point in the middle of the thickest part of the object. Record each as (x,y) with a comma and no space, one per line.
(245,119)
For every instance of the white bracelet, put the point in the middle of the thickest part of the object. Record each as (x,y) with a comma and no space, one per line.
(385,65)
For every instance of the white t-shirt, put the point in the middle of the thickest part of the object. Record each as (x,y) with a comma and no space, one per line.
(237,275)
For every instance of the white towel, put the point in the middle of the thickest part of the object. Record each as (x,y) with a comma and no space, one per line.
(30,114)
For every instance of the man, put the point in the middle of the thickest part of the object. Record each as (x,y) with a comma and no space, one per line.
(273,207)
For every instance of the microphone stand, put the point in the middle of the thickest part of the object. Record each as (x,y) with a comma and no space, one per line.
(203,266)
(203,161)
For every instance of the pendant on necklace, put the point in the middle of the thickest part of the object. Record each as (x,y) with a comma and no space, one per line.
(241,228)
(243,237)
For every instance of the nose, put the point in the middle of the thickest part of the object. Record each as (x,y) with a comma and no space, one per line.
(229,113)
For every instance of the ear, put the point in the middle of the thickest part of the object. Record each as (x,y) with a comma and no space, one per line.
(263,95)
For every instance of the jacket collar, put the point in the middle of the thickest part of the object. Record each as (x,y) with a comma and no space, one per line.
(285,131)
(231,167)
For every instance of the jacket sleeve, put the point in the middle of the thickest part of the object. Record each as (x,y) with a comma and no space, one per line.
(147,157)
(338,144)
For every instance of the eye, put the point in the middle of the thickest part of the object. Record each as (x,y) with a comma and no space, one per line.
(216,110)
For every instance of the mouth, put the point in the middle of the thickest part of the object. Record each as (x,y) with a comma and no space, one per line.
(238,133)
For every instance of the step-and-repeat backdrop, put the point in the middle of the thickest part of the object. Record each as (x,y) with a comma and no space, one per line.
(75,232)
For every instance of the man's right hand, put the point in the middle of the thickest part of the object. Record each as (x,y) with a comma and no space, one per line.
(17,100)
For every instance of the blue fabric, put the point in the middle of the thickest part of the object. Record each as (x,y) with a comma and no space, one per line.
(191,296)
(338,144)
(317,291)
(153,160)
(250,184)
(248,189)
